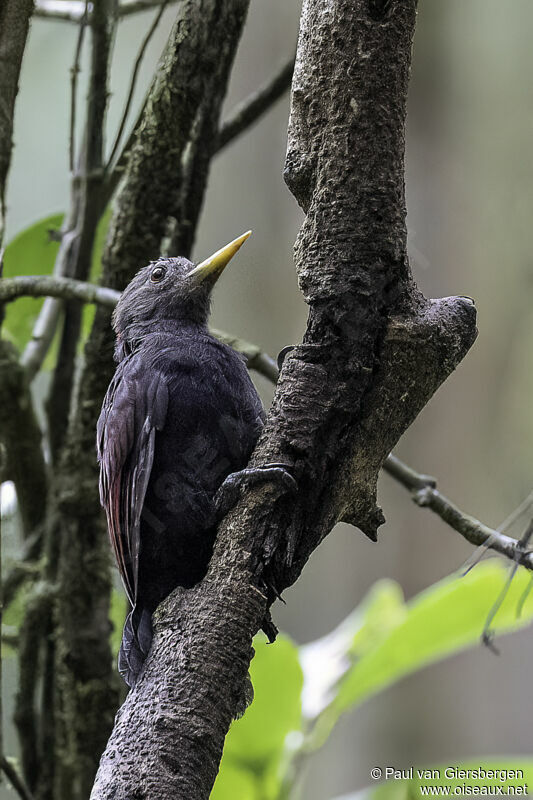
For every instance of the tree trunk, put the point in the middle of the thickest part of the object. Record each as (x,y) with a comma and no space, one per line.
(374,352)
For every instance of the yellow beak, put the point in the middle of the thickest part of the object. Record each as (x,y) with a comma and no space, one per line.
(213,266)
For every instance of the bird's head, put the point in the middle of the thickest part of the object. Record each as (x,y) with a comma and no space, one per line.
(170,289)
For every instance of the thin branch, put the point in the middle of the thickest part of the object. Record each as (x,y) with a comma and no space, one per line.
(74,256)
(113,177)
(421,486)
(74,72)
(73,10)
(133,81)
(242,118)
(70,289)
(424,494)
(134,6)
(86,211)
(46,323)
(15,779)
(64,288)
(257,104)
(21,436)
(487,637)
(25,568)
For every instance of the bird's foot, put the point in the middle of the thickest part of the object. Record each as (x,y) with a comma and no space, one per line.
(228,494)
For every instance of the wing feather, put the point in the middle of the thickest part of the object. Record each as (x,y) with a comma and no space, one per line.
(134,409)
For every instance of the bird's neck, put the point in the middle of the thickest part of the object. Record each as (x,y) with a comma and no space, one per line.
(136,335)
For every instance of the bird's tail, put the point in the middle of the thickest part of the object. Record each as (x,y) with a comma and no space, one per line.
(136,641)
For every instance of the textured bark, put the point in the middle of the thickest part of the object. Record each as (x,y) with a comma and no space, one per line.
(192,74)
(14,24)
(87,207)
(21,436)
(374,352)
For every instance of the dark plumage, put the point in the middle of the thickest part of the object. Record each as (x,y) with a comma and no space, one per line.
(180,415)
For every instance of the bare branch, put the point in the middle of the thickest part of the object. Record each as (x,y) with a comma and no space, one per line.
(256,359)
(424,494)
(21,435)
(243,117)
(74,72)
(254,106)
(46,323)
(134,6)
(133,81)
(65,288)
(15,779)
(26,568)
(73,10)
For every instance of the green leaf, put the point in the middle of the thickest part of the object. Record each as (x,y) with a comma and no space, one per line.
(258,739)
(31,252)
(446,618)
(450,778)
(233,783)
(325,660)
(117,615)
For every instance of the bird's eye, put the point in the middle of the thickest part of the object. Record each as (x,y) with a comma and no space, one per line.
(158,273)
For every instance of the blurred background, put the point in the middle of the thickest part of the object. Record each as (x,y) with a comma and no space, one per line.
(470,198)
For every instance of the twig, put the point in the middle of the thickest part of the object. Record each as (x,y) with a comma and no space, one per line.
(73,10)
(487,637)
(243,117)
(46,323)
(112,178)
(479,552)
(258,103)
(256,359)
(15,779)
(74,72)
(424,494)
(27,566)
(133,81)
(22,437)
(134,6)
(84,215)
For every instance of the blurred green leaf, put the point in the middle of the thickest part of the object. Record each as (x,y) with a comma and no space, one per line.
(233,783)
(117,615)
(13,617)
(256,744)
(410,788)
(259,736)
(14,613)
(325,660)
(31,252)
(444,619)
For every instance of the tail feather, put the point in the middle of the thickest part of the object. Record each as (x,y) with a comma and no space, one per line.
(136,641)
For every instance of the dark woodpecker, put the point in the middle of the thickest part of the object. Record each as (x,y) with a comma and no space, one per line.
(180,419)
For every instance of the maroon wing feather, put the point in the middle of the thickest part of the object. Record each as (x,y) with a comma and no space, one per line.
(134,408)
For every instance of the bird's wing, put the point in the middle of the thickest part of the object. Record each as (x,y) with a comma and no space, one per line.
(134,408)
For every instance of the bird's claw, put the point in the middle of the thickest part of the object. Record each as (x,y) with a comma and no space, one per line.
(228,494)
